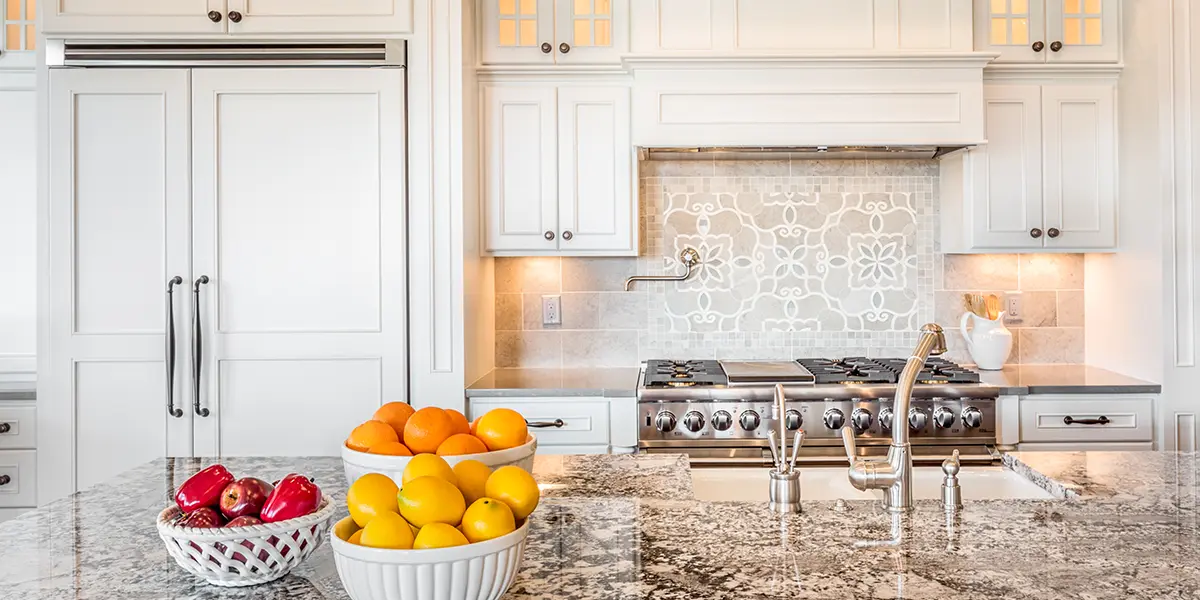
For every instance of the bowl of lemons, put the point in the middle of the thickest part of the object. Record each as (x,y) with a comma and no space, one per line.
(444,533)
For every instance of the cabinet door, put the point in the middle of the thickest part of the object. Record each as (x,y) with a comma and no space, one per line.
(591,31)
(321,16)
(1088,30)
(299,224)
(521,178)
(133,16)
(595,182)
(517,32)
(118,232)
(1080,165)
(1007,203)
(1012,28)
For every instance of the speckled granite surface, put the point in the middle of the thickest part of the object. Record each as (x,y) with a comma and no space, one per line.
(613,382)
(625,527)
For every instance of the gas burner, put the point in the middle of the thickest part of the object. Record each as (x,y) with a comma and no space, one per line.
(683,373)
(848,371)
(936,371)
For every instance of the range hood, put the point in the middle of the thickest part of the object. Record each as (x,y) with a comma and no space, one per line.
(800,152)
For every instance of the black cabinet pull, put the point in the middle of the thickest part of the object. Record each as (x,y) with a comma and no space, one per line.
(5,427)
(1056,46)
(1035,233)
(1053,233)
(1069,420)
(235,16)
(1039,46)
(544,424)
(197,347)
(214,16)
(171,410)
(5,479)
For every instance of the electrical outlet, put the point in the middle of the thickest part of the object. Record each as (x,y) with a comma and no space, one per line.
(551,310)
(1013,312)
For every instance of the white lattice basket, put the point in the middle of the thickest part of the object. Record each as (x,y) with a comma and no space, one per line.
(239,556)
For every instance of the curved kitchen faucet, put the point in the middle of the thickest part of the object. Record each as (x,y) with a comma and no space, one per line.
(894,473)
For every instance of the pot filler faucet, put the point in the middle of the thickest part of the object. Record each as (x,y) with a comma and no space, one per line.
(894,472)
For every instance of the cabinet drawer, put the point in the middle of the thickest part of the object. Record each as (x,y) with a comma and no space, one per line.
(20,487)
(584,421)
(1058,419)
(17,428)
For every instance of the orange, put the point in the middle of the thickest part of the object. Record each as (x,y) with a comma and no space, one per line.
(371,433)
(427,429)
(472,479)
(426,500)
(502,428)
(487,519)
(460,422)
(391,449)
(515,487)
(355,538)
(475,425)
(461,443)
(395,414)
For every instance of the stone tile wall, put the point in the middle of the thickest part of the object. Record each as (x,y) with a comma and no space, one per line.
(801,258)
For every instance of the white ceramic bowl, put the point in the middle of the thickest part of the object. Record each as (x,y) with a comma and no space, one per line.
(358,463)
(480,571)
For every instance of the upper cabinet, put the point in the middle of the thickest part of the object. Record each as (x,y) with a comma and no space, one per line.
(18,36)
(549,32)
(232,17)
(1049,31)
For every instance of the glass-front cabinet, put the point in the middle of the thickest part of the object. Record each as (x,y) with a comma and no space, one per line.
(18,36)
(1049,31)
(555,31)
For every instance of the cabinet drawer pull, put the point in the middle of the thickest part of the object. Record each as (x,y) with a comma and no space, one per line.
(5,479)
(544,424)
(171,410)
(214,16)
(547,48)
(5,427)
(1069,420)
(1039,46)
(197,347)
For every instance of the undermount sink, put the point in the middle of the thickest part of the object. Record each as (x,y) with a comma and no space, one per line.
(830,483)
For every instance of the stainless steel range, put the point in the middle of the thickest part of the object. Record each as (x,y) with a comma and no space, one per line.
(719,412)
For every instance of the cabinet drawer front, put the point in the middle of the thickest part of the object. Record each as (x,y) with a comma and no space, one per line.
(1128,420)
(583,421)
(20,487)
(17,428)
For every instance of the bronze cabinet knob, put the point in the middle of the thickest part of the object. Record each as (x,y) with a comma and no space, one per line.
(1035,233)
(1039,46)
(547,48)
(549,235)
(564,47)
(214,16)
(1053,232)
(235,16)
(1056,46)
(567,235)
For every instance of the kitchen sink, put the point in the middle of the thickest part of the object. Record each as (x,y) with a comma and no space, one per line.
(830,483)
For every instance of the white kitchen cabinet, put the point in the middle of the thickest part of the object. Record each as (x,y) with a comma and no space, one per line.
(558,170)
(236,17)
(568,425)
(1069,422)
(18,35)
(552,32)
(276,196)
(1046,179)
(1049,31)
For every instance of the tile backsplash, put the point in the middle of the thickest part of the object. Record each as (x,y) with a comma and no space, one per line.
(800,258)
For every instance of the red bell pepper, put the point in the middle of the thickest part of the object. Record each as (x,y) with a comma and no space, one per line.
(203,488)
(294,496)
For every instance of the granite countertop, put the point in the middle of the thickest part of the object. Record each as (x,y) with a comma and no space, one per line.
(1020,380)
(613,382)
(627,527)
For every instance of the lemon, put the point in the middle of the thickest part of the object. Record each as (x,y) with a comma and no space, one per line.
(355,538)
(426,500)
(439,535)
(428,465)
(515,487)
(371,495)
(388,530)
(472,478)
(487,519)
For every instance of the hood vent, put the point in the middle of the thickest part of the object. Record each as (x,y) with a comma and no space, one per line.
(800,152)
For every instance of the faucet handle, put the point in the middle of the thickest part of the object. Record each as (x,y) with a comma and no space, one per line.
(848,442)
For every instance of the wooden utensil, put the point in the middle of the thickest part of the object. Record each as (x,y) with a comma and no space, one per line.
(993,307)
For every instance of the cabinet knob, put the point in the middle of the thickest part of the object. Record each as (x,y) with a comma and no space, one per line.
(1056,46)
(1035,233)
(5,427)
(1052,232)
(564,47)
(547,48)
(235,16)
(214,16)
(549,235)
(1039,46)
(5,479)
(567,235)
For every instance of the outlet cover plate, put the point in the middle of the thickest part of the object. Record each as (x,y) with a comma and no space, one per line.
(551,310)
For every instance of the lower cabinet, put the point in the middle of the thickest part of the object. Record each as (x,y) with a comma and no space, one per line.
(18,459)
(571,425)
(1086,422)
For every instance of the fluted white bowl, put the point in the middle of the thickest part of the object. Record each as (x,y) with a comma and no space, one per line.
(480,571)
(357,464)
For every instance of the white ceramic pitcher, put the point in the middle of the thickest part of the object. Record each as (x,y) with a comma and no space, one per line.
(989,341)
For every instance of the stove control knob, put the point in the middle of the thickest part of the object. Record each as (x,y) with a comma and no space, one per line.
(860,419)
(834,419)
(721,420)
(693,421)
(885,419)
(972,417)
(943,417)
(917,419)
(749,420)
(665,421)
(792,420)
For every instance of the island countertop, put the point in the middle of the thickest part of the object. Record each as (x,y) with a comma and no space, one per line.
(626,527)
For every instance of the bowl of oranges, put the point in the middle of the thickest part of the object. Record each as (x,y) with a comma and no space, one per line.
(386,443)
(444,533)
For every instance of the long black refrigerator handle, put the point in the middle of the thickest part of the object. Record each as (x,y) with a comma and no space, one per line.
(171,410)
(197,347)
